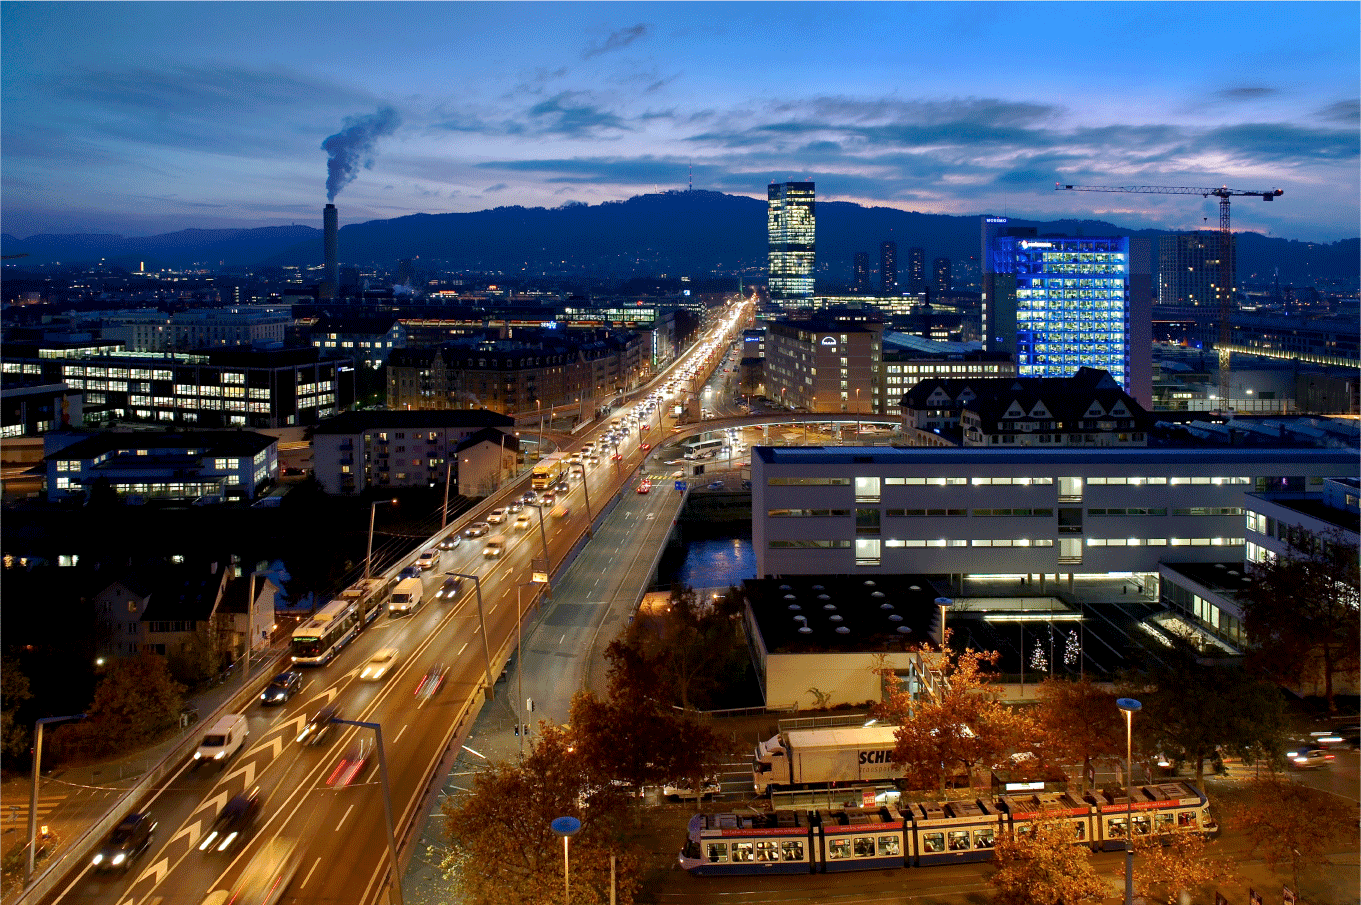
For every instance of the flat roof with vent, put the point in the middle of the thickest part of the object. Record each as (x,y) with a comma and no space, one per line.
(808,613)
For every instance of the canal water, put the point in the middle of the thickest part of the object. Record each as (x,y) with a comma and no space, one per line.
(708,556)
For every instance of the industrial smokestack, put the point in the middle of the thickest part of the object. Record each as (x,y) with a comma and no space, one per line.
(330,286)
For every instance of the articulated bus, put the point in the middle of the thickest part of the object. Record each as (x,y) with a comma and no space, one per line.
(548,472)
(370,597)
(319,639)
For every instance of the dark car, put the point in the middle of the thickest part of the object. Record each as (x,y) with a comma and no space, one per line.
(450,542)
(233,823)
(409,572)
(319,727)
(282,687)
(129,839)
(450,588)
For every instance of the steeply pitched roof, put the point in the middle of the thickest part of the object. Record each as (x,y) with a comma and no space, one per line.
(492,436)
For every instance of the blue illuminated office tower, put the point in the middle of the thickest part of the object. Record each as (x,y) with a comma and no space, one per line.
(1059,303)
(791,224)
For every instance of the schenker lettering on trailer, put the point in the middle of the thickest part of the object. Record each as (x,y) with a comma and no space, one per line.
(876,757)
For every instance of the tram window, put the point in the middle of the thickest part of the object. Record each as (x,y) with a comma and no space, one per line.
(741,851)
(793,849)
(1186,818)
(888,845)
(1141,824)
(959,840)
(1163,822)
(1117,828)
(1080,831)
(984,838)
(838,849)
(933,842)
(864,846)
(767,850)
(718,853)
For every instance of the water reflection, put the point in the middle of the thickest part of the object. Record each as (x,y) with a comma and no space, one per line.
(714,562)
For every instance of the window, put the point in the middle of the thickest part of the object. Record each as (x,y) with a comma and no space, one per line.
(718,853)
(889,845)
(792,849)
(867,521)
(867,490)
(838,849)
(867,551)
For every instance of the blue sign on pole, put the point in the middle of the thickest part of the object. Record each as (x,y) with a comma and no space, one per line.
(680,485)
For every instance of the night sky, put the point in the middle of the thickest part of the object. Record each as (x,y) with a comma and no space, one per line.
(141,118)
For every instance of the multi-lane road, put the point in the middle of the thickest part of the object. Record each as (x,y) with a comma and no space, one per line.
(341,831)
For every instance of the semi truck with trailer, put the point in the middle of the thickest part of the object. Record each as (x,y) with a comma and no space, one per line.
(817,758)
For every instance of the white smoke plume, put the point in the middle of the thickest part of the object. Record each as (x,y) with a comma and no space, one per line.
(353,146)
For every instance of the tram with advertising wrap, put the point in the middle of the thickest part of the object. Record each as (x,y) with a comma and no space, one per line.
(925,833)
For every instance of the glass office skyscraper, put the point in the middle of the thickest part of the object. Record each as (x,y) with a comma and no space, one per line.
(791,223)
(1057,303)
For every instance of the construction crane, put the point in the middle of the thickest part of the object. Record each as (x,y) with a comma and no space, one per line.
(1223,193)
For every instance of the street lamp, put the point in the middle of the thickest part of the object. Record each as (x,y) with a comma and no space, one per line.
(448,478)
(1128,706)
(857,412)
(566,827)
(387,803)
(945,603)
(481,619)
(373,510)
(538,403)
(33,795)
(590,519)
(519,672)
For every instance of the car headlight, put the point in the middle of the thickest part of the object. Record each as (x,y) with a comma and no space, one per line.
(226,842)
(98,859)
(219,755)
(119,859)
(198,755)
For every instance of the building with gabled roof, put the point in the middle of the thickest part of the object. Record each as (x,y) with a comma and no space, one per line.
(165,608)
(364,340)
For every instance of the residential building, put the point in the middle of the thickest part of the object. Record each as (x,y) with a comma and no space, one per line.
(486,460)
(1191,271)
(916,271)
(363,449)
(825,363)
(940,275)
(364,340)
(791,227)
(162,608)
(1087,409)
(535,370)
(234,387)
(1059,303)
(908,360)
(888,267)
(861,272)
(1028,511)
(151,467)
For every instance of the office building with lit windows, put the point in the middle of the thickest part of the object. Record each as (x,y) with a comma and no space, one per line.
(1190,270)
(1059,513)
(1060,303)
(888,267)
(791,225)
(916,270)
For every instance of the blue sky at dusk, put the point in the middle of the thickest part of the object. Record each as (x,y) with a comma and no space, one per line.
(140,118)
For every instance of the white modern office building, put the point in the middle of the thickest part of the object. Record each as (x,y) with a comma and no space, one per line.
(1046,513)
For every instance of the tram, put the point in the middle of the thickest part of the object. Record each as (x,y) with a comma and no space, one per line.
(926,833)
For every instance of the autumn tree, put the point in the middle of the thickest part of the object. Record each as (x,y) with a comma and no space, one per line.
(197,661)
(1195,712)
(1294,826)
(1043,867)
(1172,863)
(1078,722)
(1304,609)
(501,849)
(961,728)
(15,737)
(135,703)
(698,645)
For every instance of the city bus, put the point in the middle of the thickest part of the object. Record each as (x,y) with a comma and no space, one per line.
(369,596)
(548,472)
(319,639)
(695,448)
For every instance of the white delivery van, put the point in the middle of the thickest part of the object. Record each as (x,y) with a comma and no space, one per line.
(406,597)
(223,739)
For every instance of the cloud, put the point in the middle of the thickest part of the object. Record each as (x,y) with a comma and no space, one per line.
(198,89)
(1281,143)
(616,41)
(565,114)
(645,170)
(499,187)
(1342,112)
(1245,93)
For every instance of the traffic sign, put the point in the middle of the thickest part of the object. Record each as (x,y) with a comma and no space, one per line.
(680,485)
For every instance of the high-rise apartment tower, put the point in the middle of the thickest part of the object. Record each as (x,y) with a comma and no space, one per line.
(888,267)
(862,271)
(916,270)
(1189,268)
(940,274)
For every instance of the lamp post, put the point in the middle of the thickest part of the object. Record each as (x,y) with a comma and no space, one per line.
(481,619)
(944,603)
(538,403)
(1128,706)
(250,625)
(857,412)
(448,478)
(590,519)
(387,803)
(520,673)
(373,511)
(33,794)
(566,827)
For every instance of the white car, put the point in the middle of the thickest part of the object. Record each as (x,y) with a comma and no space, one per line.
(496,517)
(380,664)
(522,521)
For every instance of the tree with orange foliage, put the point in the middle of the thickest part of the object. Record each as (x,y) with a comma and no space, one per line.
(1043,867)
(1294,826)
(1170,864)
(963,727)
(1077,722)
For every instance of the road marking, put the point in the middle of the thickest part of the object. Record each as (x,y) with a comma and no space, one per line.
(562,639)
(399,734)
(342,819)
(462,649)
(310,872)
